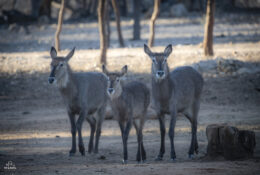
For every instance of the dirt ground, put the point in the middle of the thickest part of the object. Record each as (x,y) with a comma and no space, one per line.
(35,130)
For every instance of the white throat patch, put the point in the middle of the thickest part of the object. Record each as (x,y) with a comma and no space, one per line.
(158,78)
(63,81)
(115,94)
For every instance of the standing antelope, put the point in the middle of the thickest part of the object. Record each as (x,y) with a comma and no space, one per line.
(84,94)
(175,92)
(129,103)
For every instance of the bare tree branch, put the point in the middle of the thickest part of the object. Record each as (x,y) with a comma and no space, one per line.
(208,33)
(59,26)
(137,4)
(152,22)
(117,14)
(107,22)
(102,31)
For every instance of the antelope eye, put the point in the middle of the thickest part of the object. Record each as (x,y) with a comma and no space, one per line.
(61,65)
(117,79)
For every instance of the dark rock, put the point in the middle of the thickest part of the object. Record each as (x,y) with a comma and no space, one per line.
(228,65)
(229,142)
(102,157)
(26,112)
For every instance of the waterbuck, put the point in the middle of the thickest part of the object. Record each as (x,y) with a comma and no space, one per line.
(175,92)
(83,94)
(129,104)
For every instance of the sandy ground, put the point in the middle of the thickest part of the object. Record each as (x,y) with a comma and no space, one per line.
(34,128)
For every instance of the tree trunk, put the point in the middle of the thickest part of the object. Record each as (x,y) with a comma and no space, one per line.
(87,4)
(107,22)
(46,8)
(102,31)
(208,33)
(59,26)
(229,142)
(152,21)
(137,4)
(84,4)
(93,8)
(117,14)
(123,8)
(35,8)
(39,8)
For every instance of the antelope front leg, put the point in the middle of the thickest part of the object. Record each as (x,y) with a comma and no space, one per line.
(141,154)
(79,127)
(194,142)
(73,133)
(92,123)
(138,155)
(171,133)
(101,114)
(122,129)
(142,144)
(162,130)
(125,138)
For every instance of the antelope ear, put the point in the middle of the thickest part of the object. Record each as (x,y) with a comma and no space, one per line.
(53,52)
(148,51)
(67,58)
(168,50)
(104,69)
(124,70)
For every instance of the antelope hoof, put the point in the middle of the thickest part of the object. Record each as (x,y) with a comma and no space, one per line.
(82,150)
(72,152)
(191,156)
(124,161)
(89,151)
(173,160)
(83,153)
(159,158)
(95,151)
(140,161)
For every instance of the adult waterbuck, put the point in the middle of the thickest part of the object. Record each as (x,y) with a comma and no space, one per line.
(84,94)
(175,92)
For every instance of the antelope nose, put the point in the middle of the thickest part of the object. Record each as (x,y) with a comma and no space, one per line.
(51,80)
(160,73)
(110,90)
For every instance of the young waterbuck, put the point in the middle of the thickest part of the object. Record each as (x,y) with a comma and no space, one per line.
(84,94)
(129,103)
(175,92)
